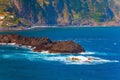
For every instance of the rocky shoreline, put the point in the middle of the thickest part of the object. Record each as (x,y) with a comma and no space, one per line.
(42,44)
(27,28)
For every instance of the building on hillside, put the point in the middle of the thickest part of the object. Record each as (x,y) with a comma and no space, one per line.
(2,16)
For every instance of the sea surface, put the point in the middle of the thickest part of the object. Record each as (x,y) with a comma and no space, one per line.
(100,43)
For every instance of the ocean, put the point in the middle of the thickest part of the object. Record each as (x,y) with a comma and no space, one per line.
(100,43)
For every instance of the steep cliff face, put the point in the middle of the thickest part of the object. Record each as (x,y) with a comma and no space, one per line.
(115,7)
(62,12)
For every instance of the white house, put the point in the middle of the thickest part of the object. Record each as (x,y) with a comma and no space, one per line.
(2,17)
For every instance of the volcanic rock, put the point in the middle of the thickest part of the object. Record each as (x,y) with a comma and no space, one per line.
(43,44)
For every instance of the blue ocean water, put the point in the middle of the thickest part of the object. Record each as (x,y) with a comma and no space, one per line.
(102,43)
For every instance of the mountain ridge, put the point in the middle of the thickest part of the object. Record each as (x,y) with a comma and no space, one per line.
(59,12)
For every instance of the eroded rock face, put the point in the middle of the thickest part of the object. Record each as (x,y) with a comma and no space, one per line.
(43,44)
(66,47)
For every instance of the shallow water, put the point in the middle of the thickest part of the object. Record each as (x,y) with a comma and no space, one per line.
(102,44)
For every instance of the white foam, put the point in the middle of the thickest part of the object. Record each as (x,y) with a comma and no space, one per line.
(31,48)
(3,43)
(18,45)
(7,43)
(46,52)
(89,53)
(11,44)
(80,60)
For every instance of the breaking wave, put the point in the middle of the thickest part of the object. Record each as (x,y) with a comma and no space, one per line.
(79,59)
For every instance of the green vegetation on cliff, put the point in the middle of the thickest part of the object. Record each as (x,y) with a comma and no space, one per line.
(58,12)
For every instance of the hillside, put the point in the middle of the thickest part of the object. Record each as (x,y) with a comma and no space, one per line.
(19,13)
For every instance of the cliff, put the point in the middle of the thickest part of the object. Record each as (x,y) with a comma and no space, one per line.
(59,12)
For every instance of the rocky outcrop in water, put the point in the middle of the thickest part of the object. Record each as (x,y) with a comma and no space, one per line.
(43,44)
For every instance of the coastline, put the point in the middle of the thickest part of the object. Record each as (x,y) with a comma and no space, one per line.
(42,44)
(32,48)
(56,26)
(18,45)
(79,59)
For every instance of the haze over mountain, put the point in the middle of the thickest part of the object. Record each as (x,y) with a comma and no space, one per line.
(59,12)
